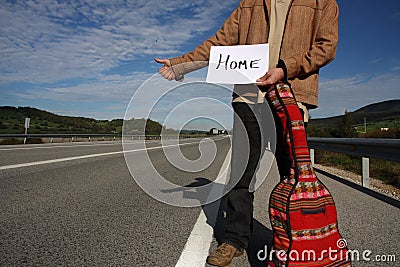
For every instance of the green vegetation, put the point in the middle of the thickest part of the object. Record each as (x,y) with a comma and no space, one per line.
(388,172)
(12,121)
(380,120)
(15,141)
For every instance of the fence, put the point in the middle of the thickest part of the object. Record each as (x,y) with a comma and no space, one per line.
(386,149)
(90,137)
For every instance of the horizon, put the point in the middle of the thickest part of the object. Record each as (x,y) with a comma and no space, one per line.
(195,129)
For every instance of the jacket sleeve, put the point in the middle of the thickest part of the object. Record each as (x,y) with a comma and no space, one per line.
(323,49)
(228,34)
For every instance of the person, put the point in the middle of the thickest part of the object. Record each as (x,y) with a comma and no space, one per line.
(303,36)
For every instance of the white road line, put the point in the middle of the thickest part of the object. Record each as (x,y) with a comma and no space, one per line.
(198,244)
(58,146)
(85,157)
(79,145)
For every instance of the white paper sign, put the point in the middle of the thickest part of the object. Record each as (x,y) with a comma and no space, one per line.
(240,64)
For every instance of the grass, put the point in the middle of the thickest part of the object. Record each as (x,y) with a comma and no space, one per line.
(374,126)
(386,171)
(18,141)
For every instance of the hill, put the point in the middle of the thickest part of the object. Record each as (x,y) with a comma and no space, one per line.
(378,115)
(42,122)
(375,116)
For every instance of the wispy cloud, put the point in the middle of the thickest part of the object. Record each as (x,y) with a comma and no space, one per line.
(352,93)
(106,88)
(375,61)
(140,94)
(83,52)
(48,41)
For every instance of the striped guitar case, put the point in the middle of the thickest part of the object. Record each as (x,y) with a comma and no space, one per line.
(302,211)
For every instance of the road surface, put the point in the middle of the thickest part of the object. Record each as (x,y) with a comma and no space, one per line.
(77,204)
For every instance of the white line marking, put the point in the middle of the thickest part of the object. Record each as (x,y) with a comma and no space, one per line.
(198,244)
(85,157)
(30,147)
(59,146)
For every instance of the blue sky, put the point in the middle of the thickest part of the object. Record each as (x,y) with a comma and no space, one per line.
(88,58)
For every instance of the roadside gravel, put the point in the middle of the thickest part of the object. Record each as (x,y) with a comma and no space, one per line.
(375,184)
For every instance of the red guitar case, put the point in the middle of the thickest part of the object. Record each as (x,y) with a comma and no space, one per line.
(302,211)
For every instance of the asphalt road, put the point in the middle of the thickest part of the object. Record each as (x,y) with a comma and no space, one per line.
(80,206)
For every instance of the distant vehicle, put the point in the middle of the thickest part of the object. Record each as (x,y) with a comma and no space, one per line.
(215,131)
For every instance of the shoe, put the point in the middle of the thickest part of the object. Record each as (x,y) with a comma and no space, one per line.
(223,255)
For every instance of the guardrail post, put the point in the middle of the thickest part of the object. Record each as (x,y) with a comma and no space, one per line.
(312,156)
(365,172)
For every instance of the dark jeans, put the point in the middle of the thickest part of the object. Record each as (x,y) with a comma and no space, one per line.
(255,123)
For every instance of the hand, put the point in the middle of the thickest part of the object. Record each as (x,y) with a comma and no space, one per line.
(273,76)
(166,71)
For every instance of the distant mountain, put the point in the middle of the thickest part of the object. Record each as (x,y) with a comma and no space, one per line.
(373,113)
(383,114)
(42,122)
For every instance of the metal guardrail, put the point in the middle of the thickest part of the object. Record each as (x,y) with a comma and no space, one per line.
(3,136)
(386,149)
(73,137)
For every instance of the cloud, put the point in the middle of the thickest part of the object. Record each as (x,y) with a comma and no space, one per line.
(106,88)
(375,61)
(49,41)
(174,102)
(352,93)
(141,94)
(98,51)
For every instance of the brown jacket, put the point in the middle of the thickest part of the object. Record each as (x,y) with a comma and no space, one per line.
(309,40)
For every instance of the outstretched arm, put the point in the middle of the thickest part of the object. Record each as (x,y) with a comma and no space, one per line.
(228,34)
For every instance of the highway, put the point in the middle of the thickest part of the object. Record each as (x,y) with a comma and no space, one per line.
(77,204)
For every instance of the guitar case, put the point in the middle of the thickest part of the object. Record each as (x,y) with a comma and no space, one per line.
(301,209)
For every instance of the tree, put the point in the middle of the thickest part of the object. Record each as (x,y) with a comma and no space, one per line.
(2,126)
(152,127)
(318,131)
(345,128)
